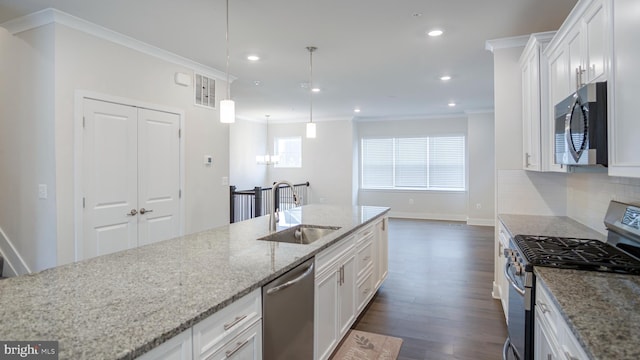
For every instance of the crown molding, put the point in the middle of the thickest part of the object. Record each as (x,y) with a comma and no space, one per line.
(506,43)
(51,15)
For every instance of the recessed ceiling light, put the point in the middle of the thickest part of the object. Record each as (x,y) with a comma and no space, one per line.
(417,14)
(434,33)
(452,104)
(257,82)
(445,77)
(315,89)
(253,57)
(356,110)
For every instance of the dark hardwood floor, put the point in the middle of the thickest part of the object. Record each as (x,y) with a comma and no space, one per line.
(437,295)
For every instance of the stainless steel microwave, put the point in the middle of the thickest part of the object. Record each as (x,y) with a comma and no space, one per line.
(581,127)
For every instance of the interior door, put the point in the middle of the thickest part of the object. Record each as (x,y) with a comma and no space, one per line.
(131,177)
(110,176)
(159,176)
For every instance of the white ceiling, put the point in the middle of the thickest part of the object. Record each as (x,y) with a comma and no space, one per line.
(372,54)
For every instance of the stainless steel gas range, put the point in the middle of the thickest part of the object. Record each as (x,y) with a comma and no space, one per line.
(619,254)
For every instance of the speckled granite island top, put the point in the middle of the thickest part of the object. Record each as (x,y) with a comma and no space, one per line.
(121,305)
(602,309)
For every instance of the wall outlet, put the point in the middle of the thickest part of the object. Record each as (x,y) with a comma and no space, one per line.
(42,191)
(225,181)
(478,206)
(411,201)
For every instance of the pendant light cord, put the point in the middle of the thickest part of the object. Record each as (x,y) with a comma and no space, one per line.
(227,40)
(311,50)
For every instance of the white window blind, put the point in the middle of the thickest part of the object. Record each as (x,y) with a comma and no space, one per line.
(425,163)
(289,149)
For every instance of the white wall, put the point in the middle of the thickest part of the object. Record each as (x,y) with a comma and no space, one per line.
(246,140)
(63,61)
(480,143)
(409,203)
(327,161)
(27,152)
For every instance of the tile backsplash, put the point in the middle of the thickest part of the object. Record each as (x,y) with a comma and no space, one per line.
(588,196)
(583,196)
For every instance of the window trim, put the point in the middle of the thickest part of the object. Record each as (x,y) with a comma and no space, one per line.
(276,152)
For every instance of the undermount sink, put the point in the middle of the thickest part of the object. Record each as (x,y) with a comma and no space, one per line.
(301,234)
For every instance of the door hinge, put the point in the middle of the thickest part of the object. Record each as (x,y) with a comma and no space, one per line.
(179,133)
(83,121)
(180,194)
(83,203)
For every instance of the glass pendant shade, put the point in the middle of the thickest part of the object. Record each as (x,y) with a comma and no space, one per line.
(227,111)
(311,130)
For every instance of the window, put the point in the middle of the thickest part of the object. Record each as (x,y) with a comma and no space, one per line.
(290,151)
(425,163)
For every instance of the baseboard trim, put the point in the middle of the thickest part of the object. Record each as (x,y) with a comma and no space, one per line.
(481,222)
(427,216)
(14,263)
(495,293)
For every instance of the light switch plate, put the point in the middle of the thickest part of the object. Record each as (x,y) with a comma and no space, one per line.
(208,160)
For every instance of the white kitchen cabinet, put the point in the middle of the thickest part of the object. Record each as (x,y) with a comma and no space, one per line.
(558,87)
(535,121)
(222,329)
(503,283)
(176,348)
(245,346)
(595,42)
(553,338)
(382,249)
(622,88)
(334,296)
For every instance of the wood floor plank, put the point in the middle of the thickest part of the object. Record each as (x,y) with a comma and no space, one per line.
(437,295)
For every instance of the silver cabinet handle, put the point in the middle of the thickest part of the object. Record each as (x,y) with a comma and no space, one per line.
(543,307)
(240,345)
(505,349)
(528,163)
(569,356)
(235,322)
(143,211)
(133,212)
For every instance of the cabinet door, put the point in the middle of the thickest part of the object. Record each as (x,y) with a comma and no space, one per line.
(326,313)
(544,347)
(347,295)
(559,78)
(382,265)
(531,110)
(574,56)
(177,348)
(595,34)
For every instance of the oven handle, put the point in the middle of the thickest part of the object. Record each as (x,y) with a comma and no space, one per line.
(511,281)
(505,350)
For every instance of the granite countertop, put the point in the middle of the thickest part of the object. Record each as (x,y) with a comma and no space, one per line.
(601,309)
(121,305)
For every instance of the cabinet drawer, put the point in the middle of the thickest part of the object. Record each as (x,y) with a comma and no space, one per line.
(332,254)
(365,233)
(365,291)
(571,348)
(365,256)
(246,346)
(212,333)
(548,311)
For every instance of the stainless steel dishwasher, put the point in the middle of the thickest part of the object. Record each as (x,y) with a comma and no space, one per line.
(287,314)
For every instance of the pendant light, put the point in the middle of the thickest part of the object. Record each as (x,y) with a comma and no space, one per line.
(267,159)
(311,126)
(227,106)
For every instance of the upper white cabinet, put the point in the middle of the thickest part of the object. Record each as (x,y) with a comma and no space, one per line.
(622,88)
(535,120)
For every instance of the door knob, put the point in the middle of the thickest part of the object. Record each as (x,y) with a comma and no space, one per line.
(143,211)
(133,212)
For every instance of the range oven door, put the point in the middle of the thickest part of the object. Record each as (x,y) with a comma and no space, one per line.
(519,345)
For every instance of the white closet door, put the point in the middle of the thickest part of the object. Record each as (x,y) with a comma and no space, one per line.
(159,176)
(110,177)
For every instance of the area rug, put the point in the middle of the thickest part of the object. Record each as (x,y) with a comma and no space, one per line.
(361,345)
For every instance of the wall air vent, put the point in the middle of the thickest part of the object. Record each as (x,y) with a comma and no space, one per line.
(205,91)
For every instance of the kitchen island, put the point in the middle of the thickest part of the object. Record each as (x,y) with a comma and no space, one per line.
(122,305)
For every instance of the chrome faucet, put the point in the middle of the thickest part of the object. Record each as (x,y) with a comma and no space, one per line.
(273,219)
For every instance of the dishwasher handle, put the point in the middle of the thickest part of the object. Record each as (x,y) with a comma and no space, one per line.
(292,282)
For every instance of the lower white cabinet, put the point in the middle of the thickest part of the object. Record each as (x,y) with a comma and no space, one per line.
(347,276)
(177,348)
(552,338)
(246,346)
(334,296)
(502,282)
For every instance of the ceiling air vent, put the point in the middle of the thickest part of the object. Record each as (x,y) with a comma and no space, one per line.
(205,91)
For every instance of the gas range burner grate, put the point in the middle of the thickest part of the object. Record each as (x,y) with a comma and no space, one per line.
(574,253)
